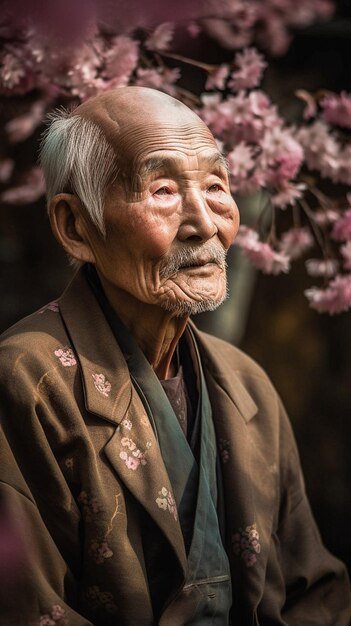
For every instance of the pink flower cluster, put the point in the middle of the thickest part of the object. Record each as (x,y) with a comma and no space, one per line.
(261,151)
(336,296)
(261,254)
(268,23)
(246,544)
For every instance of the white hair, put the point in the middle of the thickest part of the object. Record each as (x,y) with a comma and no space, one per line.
(77,158)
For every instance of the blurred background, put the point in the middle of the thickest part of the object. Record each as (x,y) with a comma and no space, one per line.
(307,355)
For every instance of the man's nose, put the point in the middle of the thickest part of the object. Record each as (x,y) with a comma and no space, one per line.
(197,218)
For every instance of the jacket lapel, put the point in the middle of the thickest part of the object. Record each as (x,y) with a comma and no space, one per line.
(133,450)
(249,477)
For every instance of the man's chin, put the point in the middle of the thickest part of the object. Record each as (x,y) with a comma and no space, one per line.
(184,307)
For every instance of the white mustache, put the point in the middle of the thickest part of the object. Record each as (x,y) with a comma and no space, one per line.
(190,256)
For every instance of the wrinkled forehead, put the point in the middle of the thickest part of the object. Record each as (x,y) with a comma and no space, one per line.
(137,123)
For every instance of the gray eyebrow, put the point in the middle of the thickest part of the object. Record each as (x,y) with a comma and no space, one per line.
(153,165)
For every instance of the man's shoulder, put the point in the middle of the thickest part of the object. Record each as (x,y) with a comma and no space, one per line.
(34,338)
(228,363)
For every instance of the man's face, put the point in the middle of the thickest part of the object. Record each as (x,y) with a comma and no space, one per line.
(166,236)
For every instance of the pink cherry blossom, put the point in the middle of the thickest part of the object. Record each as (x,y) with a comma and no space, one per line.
(337,109)
(321,149)
(250,66)
(30,189)
(261,254)
(121,60)
(322,267)
(336,298)
(194,29)
(6,169)
(217,77)
(240,163)
(159,78)
(342,227)
(346,253)
(161,37)
(16,72)
(19,128)
(287,194)
(295,242)
(281,151)
(325,216)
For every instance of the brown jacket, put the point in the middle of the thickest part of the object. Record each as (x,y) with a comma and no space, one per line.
(81,471)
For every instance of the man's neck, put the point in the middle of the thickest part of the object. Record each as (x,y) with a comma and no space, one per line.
(156,331)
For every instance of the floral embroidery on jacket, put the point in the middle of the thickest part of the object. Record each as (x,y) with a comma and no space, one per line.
(224,446)
(102,384)
(54,618)
(52,306)
(89,504)
(166,502)
(69,462)
(66,356)
(100,551)
(136,457)
(246,544)
(98,598)
(126,423)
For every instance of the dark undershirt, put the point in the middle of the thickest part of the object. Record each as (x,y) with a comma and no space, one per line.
(177,395)
(181,390)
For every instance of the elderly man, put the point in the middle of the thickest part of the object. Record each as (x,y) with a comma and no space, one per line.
(150,469)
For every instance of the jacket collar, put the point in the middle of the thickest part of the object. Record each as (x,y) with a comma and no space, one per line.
(224,372)
(107,385)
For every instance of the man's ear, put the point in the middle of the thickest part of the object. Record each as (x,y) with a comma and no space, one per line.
(70,227)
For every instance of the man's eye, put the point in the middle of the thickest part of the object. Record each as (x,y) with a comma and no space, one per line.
(162,191)
(215,187)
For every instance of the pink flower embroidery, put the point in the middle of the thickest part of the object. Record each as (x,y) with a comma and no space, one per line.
(55,618)
(45,620)
(53,306)
(57,612)
(224,446)
(101,384)
(166,502)
(246,545)
(126,423)
(98,598)
(66,357)
(89,504)
(100,551)
(136,458)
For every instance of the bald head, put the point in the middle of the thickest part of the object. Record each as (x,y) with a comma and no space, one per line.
(137,119)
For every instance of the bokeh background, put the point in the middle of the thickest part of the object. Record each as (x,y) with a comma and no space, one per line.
(307,355)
